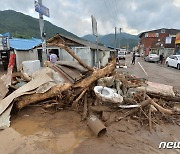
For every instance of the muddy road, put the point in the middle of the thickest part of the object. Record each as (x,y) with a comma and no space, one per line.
(38,131)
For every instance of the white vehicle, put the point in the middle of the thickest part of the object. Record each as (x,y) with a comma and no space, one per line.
(152,58)
(122,55)
(174,61)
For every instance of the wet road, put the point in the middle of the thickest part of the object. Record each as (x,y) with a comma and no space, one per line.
(156,72)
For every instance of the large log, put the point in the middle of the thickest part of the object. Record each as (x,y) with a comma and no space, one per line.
(56,90)
(166,98)
(29,99)
(97,74)
(72,54)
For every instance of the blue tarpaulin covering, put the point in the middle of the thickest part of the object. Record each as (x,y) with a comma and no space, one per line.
(24,44)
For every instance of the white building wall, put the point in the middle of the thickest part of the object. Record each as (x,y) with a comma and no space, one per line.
(85,54)
(65,56)
(25,56)
(104,57)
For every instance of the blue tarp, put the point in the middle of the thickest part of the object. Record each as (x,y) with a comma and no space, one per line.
(24,44)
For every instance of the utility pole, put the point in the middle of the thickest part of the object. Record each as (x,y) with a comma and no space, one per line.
(120,29)
(115,38)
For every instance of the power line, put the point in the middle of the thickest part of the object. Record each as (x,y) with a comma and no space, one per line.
(109,10)
(116,8)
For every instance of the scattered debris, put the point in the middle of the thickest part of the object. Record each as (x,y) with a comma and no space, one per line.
(97,94)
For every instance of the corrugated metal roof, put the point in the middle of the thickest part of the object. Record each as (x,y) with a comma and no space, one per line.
(24,44)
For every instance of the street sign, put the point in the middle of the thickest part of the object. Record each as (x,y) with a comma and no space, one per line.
(94,26)
(41,9)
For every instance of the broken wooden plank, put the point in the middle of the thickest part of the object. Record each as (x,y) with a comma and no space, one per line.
(160,108)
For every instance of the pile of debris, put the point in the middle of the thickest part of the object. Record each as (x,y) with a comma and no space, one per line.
(94,93)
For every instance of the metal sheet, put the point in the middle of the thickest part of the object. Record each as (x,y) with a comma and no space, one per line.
(32,85)
(71,64)
(72,73)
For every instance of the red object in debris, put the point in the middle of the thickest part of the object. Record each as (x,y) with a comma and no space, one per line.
(12,60)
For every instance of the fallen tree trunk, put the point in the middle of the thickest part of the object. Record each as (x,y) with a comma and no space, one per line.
(29,99)
(166,98)
(97,74)
(56,90)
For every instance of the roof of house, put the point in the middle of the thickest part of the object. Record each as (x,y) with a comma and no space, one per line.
(24,44)
(80,41)
(169,31)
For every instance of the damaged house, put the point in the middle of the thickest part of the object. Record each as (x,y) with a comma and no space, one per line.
(85,50)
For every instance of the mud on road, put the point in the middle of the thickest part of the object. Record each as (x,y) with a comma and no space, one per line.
(34,130)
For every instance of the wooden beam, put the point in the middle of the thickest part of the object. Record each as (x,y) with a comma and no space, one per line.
(72,54)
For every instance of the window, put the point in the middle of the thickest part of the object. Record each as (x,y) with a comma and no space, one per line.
(146,34)
(175,58)
(157,34)
(163,30)
(172,57)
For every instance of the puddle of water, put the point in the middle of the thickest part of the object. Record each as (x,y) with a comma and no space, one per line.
(25,127)
(67,143)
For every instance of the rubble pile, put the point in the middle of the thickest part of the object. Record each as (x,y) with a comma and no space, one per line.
(99,94)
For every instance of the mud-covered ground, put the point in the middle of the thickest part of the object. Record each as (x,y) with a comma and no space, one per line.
(34,130)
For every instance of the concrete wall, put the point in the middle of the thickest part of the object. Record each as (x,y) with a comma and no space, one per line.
(85,54)
(25,56)
(104,55)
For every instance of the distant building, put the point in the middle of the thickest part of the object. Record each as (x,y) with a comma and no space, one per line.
(177,43)
(158,41)
(23,48)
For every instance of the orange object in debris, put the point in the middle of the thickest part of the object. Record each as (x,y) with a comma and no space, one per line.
(12,60)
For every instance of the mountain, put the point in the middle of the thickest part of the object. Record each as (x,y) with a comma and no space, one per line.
(125,40)
(24,26)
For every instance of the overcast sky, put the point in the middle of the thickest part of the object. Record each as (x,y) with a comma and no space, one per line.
(133,16)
